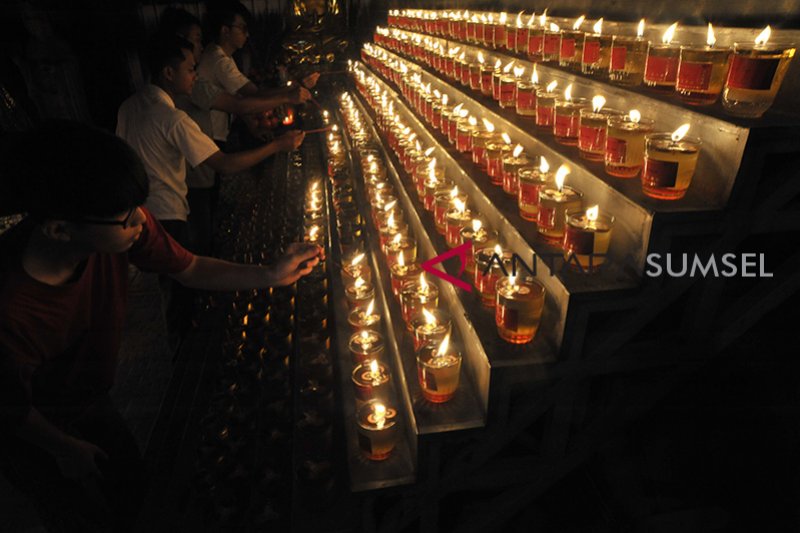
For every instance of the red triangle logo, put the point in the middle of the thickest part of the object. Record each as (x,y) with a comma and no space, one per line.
(461,252)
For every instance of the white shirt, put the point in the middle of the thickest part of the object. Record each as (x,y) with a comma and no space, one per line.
(221,71)
(165,138)
(198,107)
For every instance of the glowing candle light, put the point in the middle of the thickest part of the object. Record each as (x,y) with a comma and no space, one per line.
(702,71)
(587,238)
(554,203)
(661,66)
(438,369)
(545,106)
(669,163)
(518,308)
(377,430)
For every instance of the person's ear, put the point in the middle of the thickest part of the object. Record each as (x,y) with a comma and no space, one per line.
(168,73)
(56,230)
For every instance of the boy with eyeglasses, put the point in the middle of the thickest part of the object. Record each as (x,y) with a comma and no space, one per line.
(63,292)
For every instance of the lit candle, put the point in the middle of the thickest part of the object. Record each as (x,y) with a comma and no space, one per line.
(500,31)
(475,72)
(593,125)
(495,153)
(566,124)
(756,73)
(366,345)
(457,116)
(402,273)
(430,326)
(462,69)
(315,236)
(508,87)
(536,37)
(532,180)
(487,74)
(551,44)
(456,218)
(526,95)
(596,51)
(392,227)
(628,56)
(364,318)
(480,137)
(518,309)
(625,144)
(356,268)
(464,134)
(546,106)
(443,202)
(586,239)
(498,76)
(701,71)
(438,369)
(489,265)
(472,24)
(359,293)
(377,430)
(571,49)
(553,204)
(479,236)
(371,381)
(669,163)
(661,66)
(415,295)
(511,165)
(511,34)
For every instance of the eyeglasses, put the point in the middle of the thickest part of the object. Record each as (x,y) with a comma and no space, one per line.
(124,223)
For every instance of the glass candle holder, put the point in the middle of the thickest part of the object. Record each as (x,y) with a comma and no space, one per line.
(377,430)
(359,319)
(366,345)
(701,74)
(526,99)
(508,84)
(359,294)
(495,153)
(443,203)
(479,139)
(431,185)
(444,120)
(352,271)
(436,115)
(592,135)
(531,181)
(551,45)
(475,76)
(488,271)
(553,205)
(499,36)
(452,128)
(382,216)
(482,238)
(518,308)
(566,124)
(455,219)
(624,155)
(496,76)
(464,136)
(535,43)
(415,295)
(465,73)
(487,73)
(424,177)
(387,232)
(668,165)
(545,109)
(402,274)
(596,57)
(570,50)
(431,327)
(371,381)
(754,77)
(511,166)
(404,245)
(438,374)
(586,240)
(661,66)
(628,57)
(511,38)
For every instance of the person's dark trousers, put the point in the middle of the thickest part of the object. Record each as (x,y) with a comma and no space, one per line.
(202,203)
(177,300)
(112,503)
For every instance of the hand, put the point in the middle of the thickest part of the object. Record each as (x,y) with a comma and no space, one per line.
(299,95)
(78,460)
(290,140)
(298,261)
(311,80)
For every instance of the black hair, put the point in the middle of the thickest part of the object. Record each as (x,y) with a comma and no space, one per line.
(166,51)
(176,21)
(223,13)
(65,169)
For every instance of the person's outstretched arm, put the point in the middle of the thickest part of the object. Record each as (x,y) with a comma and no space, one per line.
(238,161)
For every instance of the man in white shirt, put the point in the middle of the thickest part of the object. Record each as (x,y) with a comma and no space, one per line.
(165,138)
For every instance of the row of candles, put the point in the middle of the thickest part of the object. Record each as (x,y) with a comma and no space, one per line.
(518,301)
(625,142)
(748,74)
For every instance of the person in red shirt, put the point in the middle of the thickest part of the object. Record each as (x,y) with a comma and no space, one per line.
(63,292)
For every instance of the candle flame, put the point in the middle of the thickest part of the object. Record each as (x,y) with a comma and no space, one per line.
(578,22)
(454,192)
(462,56)
(763,37)
(457,109)
(473,121)
(370,307)
(373,368)
(592,213)
(401,260)
(460,205)
(389,206)
(561,175)
(568,93)
(554,27)
(445,99)
(669,34)
(443,346)
(598,102)
(512,280)
(489,126)
(680,133)
(640,29)
(359,282)
(430,318)
(544,166)
(552,86)
(476,225)
(379,414)
(543,19)
(507,68)
(519,71)
(429,151)
(517,150)
(423,284)
(312,233)
(397,238)
(463,113)
(635,116)
(498,250)
(598,26)
(506,138)
(503,17)
(535,76)
(357,259)
(498,64)
(711,39)
(519,19)
(532,20)
(390,221)
(481,59)
(432,166)
(437,94)
(417,145)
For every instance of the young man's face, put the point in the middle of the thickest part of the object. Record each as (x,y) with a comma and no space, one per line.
(237,32)
(195,36)
(184,74)
(94,235)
